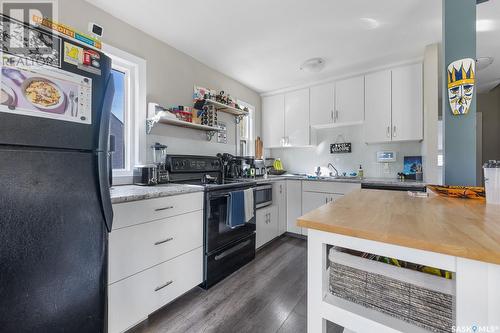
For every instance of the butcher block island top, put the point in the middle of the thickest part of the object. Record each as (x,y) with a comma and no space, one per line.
(465,228)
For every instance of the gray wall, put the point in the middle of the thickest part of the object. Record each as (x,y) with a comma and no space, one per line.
(171,76)
(489,105)
(459,41)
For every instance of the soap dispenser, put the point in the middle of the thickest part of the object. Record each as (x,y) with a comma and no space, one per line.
(360,172)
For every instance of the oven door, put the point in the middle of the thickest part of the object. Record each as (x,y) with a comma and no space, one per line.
(263,195)
(218,233)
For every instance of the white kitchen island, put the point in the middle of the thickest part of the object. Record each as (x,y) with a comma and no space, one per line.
(461,236)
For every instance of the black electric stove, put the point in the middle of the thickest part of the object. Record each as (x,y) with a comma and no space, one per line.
(226,248)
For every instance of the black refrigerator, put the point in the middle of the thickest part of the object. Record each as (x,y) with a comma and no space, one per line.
(55,207)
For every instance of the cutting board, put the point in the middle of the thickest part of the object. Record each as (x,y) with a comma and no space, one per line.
(258,148)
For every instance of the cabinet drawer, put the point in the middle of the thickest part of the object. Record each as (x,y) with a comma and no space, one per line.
(329,187)
(141,246)
(136,212)
(133,299)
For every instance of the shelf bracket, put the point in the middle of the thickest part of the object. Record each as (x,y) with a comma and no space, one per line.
(150,123)
(238,118)
(210,135)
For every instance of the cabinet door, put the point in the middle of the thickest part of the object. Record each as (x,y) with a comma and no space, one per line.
(378,107)
(349,101)
(313,200)
(293,205)
(267,225)
(322,105)
(273,120)
(279,199)
(297,118)
(407,103)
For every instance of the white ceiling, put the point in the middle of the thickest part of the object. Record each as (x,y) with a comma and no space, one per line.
(262,43)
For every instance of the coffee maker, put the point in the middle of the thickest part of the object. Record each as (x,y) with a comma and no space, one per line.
(160,160)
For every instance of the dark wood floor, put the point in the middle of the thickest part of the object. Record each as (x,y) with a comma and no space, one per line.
(267,295)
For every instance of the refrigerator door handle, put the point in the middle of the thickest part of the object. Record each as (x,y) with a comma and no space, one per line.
(107,208)
(103,156)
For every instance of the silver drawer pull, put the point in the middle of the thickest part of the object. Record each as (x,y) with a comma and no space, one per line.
(164,241)
(163,208)
(164,285)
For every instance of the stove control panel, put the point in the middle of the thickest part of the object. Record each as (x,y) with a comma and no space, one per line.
(183,163)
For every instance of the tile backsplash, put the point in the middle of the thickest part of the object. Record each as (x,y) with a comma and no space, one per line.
(300,160)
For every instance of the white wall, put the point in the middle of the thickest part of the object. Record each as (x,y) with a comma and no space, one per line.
(432,173)
(171,76)
(299,160)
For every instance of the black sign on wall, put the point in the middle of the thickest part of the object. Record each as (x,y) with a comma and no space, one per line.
(340,148)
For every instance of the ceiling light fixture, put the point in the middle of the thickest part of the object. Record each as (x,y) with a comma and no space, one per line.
(370,23)
(483,62)
(313,65)
(485,25)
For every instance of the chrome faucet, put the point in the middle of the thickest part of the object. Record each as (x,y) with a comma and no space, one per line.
(330,165)
(318,171)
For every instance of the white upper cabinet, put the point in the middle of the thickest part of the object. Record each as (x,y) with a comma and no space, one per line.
(322,105)
(378,107)
(349,101)
(407,103)
(394,105)
(297,118)
(273,120)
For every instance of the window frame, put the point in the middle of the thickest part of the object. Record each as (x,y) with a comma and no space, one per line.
(135,107)
(249,120)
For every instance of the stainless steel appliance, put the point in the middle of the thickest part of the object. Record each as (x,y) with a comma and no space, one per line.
(55,205)
(260,167)
(263,195)
(226,248)
(160,159)
(145,175)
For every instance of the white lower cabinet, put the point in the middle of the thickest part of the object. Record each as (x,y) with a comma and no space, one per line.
(293,205)
(131,300)
(155,255)
(316,194)
(139,247)
(279,199)
(313,200)
(267,225)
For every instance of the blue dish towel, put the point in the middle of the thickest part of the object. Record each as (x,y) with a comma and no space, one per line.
(236,209)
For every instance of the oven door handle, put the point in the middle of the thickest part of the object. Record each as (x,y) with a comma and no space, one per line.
(220,196)
(232,250)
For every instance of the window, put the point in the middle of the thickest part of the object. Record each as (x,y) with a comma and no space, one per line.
(117,121)
(128,113)
(247,131)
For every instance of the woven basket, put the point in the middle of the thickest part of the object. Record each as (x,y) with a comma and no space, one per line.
(417,298)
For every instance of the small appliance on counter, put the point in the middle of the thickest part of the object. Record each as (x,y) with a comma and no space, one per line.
(492,181)
(260,167)
(160,160)
(145,175)
(236,167)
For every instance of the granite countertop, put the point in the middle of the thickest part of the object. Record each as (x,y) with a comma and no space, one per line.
(378,181)
(465,228)
(126,193)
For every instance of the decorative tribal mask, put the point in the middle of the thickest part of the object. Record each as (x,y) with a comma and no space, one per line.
(461,79)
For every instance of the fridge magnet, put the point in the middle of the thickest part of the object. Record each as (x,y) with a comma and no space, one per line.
(461,79)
